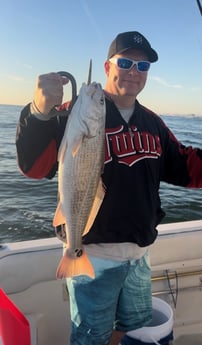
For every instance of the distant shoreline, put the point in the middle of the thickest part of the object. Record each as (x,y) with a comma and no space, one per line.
(160,114)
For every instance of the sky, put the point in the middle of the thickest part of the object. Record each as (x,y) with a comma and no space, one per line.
(45,36)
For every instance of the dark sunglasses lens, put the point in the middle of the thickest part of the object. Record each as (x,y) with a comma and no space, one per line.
(124,63)
(143,66)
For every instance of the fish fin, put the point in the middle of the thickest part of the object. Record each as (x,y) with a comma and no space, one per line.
(59,217)
(62,151)
(76,146)
(95,207)
(70,267)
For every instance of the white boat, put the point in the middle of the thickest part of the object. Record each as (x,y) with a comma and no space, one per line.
(27,276)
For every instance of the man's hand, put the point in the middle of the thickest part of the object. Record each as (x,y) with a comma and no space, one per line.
(49,92)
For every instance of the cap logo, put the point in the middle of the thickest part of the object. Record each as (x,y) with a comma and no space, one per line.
(137,39)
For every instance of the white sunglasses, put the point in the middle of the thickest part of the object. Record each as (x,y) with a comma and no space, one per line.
(127,64)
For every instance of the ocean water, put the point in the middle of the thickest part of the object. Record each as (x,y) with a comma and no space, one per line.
(27,206)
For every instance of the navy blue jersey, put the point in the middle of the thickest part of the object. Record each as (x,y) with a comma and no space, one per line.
(138,155)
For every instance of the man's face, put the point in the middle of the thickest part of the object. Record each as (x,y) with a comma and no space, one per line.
(122,82)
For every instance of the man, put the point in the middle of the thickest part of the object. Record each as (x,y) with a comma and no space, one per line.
(140,152)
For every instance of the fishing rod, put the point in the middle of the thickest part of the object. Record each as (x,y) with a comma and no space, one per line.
(72,80)
(199,6)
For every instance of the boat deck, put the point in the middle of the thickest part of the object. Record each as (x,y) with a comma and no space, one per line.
(189,339)
(27,275)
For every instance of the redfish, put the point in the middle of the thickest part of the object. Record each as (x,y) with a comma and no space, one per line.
(81,161)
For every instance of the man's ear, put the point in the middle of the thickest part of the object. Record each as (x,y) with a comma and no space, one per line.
(107,67)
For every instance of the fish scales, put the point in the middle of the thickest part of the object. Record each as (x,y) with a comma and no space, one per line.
(81,186)
(81,160)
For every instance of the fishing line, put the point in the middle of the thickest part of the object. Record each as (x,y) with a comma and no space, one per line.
(199,6)
(174,297)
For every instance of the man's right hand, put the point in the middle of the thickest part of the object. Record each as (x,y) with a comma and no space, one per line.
(49,92)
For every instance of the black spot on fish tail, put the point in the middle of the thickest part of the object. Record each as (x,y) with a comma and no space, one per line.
(78,252)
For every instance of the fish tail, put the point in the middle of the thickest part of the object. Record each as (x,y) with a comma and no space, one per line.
(70,267)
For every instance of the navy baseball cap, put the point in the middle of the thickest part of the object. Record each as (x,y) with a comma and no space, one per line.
(130,40)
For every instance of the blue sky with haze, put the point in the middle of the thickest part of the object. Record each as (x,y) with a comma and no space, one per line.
(43,36)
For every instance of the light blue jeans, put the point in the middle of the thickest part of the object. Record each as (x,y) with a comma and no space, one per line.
(118,298)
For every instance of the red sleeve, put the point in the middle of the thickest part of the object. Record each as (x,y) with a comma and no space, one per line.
(183,165)
(194,165)
(45,163)
(37,144)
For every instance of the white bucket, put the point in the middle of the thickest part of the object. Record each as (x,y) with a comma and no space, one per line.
(160,326)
